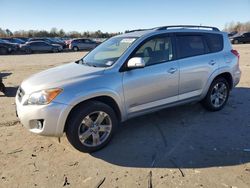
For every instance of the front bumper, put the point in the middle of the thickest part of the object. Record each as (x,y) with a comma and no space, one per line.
(49,116)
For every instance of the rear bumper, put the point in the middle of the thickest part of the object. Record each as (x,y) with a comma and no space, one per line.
(236,78)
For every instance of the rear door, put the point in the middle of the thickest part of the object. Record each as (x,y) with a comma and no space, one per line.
(35,46)
(157,83)
(197,62)
(82,44)
(90,44)
(247,37)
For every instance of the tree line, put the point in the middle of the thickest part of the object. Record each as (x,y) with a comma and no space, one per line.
(237,26)
(54,32)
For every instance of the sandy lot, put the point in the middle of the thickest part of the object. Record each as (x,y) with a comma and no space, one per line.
(184,146)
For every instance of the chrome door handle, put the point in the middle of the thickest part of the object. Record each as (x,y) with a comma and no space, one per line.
(172,70)
(212,62)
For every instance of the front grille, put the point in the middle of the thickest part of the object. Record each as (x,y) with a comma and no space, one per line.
(20,94)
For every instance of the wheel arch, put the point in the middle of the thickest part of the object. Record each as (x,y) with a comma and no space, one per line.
(108,100)
(228,77)
(219,73)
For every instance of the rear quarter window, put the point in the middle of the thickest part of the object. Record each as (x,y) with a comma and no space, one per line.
(190,45)
(214,42)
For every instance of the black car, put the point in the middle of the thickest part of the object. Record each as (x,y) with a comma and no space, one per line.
(4,50)
(48,40)
(25,39)
(14,40)
(6,47)
(40,46)
(243,38)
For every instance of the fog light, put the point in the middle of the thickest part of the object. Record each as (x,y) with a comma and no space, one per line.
(39,124)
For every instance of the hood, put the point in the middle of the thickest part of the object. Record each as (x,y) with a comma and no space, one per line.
(57,45)
(60,76)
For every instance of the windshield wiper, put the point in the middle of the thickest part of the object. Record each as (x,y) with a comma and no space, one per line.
(88,64)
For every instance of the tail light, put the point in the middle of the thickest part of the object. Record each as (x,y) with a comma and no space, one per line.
(236,53)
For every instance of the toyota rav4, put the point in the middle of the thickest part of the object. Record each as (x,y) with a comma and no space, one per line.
(126,76)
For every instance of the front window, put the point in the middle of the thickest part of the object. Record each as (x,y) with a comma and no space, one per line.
(156,50)
(107,53)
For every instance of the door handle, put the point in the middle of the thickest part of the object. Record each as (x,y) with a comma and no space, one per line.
(212,62)
(172,70)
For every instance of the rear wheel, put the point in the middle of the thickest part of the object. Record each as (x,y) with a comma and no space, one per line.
(75,48)
(217,95)
(236,41)
(91,126)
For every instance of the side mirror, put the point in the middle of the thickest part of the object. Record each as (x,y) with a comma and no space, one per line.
(136,62)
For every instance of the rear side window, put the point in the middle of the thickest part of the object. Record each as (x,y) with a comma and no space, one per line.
(214,42)
(190,45)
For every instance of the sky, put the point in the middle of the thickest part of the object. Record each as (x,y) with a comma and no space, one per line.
(118,15)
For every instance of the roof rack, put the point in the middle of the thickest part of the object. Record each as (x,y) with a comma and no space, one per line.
(130,31)
(186,27)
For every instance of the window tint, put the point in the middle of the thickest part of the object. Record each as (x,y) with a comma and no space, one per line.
(190,45)
(247,34)
(35,44)
(87,41)
(215,42)
(156,50)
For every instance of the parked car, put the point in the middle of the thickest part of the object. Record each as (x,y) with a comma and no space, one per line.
(4,50)
(6,47)
(48,40)
(25,39)
(14,40)
(40,46)
(82,44)
(231,34)
(242,38)
(126,76)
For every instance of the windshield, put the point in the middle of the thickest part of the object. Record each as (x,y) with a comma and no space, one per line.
(107,53)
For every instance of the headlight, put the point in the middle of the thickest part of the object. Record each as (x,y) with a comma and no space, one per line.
(43,97)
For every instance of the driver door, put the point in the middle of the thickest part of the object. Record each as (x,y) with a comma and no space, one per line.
(157,83)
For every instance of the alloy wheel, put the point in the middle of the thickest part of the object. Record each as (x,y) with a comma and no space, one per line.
(219,94)
(95,128)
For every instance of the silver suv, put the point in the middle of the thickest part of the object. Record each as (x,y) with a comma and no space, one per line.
(126,76)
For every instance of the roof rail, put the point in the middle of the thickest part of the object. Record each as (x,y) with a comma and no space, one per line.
(186,27)
(130,31)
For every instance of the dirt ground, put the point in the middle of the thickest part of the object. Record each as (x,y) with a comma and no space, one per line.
(184,146)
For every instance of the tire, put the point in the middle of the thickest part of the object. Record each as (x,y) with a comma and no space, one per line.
(235,41)
(75,49)
(83,124)
(216,99)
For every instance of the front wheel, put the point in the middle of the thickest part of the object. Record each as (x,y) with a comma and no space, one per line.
(217,95)
(90,126)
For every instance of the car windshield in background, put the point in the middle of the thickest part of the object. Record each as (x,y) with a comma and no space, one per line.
(107,53)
